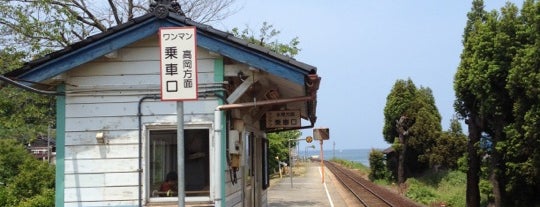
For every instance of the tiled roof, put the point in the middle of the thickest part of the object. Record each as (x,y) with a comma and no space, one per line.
(42,142)
(174,17)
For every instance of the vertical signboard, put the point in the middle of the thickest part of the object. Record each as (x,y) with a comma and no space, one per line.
(178,50)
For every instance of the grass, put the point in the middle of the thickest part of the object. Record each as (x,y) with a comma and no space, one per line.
(434,189)
(431,189)
(364,170)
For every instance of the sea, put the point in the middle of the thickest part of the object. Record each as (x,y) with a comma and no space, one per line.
(355,155)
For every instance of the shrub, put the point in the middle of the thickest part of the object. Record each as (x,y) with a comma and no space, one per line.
(378,166)
(419,192)
(453,189)
(25,181)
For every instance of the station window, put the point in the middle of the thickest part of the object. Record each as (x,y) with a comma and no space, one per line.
(163,163)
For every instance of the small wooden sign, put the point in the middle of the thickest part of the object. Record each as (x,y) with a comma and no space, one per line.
(321,133)
(283,119)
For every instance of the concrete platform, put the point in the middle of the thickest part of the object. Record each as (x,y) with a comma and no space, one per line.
(307,189)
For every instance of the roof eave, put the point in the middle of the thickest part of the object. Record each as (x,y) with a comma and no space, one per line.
(118,37)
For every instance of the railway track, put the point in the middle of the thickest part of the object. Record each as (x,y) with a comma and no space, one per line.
(367,193)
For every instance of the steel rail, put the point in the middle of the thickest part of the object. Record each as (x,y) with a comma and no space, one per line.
(340,174)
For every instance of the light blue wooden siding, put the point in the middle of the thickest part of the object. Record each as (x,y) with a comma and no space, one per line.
(103,96)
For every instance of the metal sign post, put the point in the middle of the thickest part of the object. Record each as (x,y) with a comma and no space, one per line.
(178,52)
(322,161)
(321,134)
(290,162)
(308,140)
(180,153)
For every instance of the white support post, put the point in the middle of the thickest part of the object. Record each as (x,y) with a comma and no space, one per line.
(219,155)
(180,153)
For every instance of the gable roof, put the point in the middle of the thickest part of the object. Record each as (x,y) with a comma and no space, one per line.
(147,25)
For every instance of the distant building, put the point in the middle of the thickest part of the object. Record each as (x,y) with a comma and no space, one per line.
(391,160)
(43,149)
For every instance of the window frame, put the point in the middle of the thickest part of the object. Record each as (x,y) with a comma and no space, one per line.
(146,167)
(265,144)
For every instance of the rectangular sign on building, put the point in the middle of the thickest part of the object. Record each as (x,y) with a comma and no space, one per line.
(178,50)
(282,119)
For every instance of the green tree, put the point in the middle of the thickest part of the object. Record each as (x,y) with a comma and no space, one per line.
(412,122)
(523,135)
(377,166)
(266,37)
(497,89)
(481,81)
(279,147)
(63,22)
(24,180)
(398,103)
(426,129)
(23,115)
(448,148)
(398,113)
(465,104)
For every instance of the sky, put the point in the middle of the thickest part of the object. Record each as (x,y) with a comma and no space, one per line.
(361,48)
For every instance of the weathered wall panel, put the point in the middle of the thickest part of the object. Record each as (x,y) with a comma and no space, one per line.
(231,189)
(234,199)
(151,66)
(100,194)
(103,96)
(114,137)
(153,108)
(128,82)
(101,180)
(101,151)
(116,68)
(126,203)
(129,122)
(153,42)
(101,165)
(84,180)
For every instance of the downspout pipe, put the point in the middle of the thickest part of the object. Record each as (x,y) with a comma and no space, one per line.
(139,116)
(28,88)
(219,151)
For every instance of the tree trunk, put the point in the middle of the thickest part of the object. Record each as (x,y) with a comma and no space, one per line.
(401,161)
(473,178)
(497,167)
(494,179)
(402,129)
